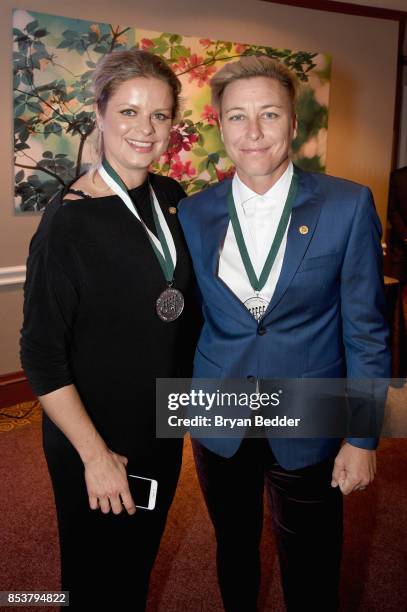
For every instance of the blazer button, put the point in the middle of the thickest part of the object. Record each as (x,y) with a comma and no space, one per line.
(251,378)
(261,331)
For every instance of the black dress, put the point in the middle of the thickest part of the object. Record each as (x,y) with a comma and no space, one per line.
(89,319)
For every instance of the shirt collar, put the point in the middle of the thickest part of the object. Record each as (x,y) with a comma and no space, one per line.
(277,194)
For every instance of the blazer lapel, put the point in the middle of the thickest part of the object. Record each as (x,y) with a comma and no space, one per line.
(304,217)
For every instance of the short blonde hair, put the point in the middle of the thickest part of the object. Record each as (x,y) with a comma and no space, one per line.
(250,66)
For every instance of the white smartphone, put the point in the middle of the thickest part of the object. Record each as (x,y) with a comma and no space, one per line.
(143,491)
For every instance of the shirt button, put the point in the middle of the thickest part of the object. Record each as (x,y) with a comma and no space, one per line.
(261,331)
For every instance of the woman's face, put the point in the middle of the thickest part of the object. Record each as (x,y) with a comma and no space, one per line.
(136,126)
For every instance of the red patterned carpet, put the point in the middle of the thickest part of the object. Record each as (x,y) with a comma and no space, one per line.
(375,550)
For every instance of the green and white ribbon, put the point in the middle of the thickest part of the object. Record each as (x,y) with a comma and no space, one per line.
(258,283)
(163,246)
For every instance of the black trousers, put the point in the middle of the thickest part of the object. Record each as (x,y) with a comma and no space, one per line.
(106,559)
(307,521)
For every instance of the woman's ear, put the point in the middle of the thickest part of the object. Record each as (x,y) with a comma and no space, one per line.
(99,119)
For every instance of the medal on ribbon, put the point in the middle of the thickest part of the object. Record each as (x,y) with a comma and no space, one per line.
(257,305)
(170,302)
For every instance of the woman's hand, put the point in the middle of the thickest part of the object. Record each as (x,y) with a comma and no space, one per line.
(105,471)
(354,468)
(106,481)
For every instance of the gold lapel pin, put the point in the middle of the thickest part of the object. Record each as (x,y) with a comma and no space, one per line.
(303,229)
(172,210)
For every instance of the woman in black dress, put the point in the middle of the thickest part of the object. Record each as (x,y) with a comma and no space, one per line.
(94,341)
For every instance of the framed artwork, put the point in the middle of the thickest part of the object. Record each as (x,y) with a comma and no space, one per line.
(53,61)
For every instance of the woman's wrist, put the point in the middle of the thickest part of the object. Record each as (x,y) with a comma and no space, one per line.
(93,451)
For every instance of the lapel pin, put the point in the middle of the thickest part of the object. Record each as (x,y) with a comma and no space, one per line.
(172,210)
(303,229)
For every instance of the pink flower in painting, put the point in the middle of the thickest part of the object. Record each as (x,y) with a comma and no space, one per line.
(195,66)
(146,44)
(210,115)
(178,170)
(191,139)
(176,140)
(180,140)
(225,174)
(182,64)
(205,42)
(169,156)
(240,48)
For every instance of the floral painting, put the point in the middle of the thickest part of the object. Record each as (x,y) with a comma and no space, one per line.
(54,123)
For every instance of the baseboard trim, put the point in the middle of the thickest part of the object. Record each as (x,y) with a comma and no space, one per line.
(14,389)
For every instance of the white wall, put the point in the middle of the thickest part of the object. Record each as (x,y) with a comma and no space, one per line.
(361,107)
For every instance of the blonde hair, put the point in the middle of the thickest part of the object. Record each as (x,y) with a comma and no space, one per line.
(119,66)
(248,67)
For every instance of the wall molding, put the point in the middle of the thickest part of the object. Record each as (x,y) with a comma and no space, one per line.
(14,389)
(12,275)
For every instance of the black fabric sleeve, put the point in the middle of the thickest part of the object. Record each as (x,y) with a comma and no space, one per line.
(50,305)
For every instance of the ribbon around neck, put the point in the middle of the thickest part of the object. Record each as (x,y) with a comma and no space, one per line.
(258,283)
(163,246)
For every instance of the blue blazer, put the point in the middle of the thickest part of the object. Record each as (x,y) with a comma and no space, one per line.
(326,318)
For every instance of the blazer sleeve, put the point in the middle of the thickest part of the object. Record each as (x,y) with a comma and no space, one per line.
(51,302)
(363,307)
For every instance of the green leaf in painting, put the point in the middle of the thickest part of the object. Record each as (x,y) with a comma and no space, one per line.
(27,77)
(70,34)
(24,134)
(21,146)
(202,166)
(19,109)
(34,107)
(179,51)
(40,33)
(30,27)
(200,152)
(35,61)
(64,44)
(100,49)
(33,179)
(19,176)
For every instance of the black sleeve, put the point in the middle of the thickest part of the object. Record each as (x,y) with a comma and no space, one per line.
(50,305)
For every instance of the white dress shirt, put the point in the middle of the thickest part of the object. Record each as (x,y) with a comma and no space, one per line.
(259,216)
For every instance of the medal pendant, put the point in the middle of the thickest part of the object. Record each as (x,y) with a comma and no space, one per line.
(257,306)
(170,304)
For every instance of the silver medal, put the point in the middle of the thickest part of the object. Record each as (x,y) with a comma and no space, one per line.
(170,304)
(257,306)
